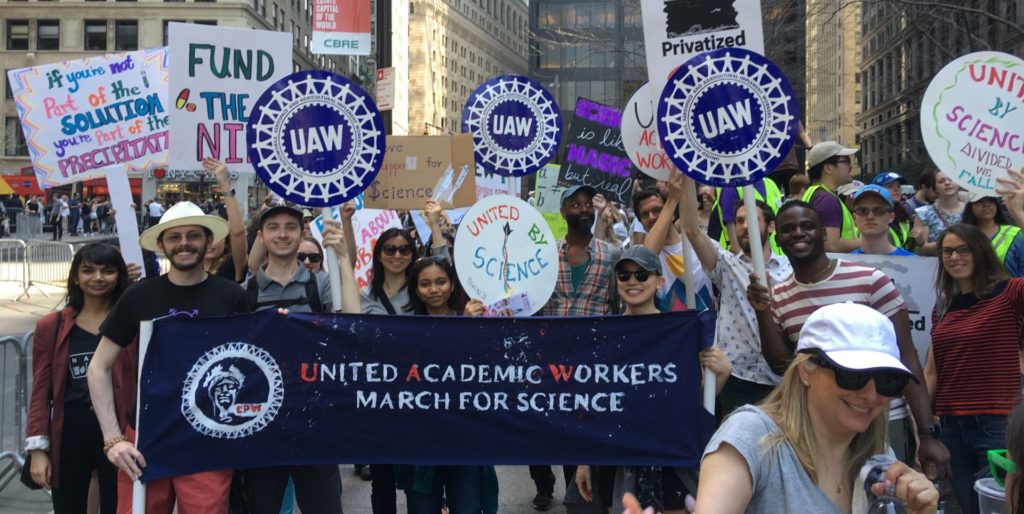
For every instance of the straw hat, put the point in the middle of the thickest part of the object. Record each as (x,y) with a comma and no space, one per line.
(180,215)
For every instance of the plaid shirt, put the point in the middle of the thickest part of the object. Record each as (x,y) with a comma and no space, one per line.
(597,294)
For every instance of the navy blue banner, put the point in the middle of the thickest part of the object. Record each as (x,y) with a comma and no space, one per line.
(264,389)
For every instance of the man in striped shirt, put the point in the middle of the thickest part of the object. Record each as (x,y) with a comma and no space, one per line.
(817,281)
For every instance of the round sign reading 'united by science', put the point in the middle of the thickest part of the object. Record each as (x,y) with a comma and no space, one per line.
(727,117)
(516,125)
(315,138)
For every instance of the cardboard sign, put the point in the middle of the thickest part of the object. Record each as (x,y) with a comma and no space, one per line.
(220,74)
(640,134)
(316,139)
(88,117)
(415,165)
(727,117)
(503,247)
(341,27)
(516,125)
(972,119)
(676,30)
(594,154)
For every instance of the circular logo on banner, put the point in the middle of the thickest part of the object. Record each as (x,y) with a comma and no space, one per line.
(516,125)
(727,117)
(315,138)
(504,250)
(232,391)
(640,134)
(972,119)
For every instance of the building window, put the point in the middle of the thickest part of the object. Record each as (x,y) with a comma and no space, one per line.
(8,92)
(17,34)
(126,35)
(167,29)
(14,138)
(48,35)
(212,23)
(95,34)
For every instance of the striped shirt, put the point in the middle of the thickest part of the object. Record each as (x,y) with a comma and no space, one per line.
(596,292)
(975,346)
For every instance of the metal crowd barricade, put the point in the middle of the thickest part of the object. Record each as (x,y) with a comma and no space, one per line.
(13,405)
(27,226)
(13,267)
(48,263)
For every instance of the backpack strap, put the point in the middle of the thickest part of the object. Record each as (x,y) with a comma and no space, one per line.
(313,293)
(252,293)
(312,296)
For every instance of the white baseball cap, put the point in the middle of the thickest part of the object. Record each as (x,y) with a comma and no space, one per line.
(853,337)
(826,149)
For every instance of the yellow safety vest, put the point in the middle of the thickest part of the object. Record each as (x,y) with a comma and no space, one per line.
(848,230)
(902,236)
(1004,239)
(774,201)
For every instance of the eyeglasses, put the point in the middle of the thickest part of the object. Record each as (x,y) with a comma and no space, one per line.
(962,250)
(886,383)
(402,250)
(878,212)
(999,464)
(844,160)
(641,275)
(312,257)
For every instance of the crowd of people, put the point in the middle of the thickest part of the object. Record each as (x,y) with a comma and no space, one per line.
(816,370)
(66,214)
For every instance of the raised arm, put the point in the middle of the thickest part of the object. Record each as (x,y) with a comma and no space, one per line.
(1012,189)
(334,237)
(236,238)
(656,237)
(348,209)
(702,244)
(775,346)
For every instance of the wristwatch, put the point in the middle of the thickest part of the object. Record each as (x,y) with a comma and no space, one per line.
(933,430)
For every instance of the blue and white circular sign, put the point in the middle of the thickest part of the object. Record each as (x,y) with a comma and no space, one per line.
(727,117)
(516,125)
(315,138)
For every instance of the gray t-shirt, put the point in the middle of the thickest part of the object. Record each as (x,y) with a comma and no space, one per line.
(371,305)
(780,483)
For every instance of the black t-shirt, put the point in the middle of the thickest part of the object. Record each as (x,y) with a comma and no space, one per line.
(158,297)
(81,345)
(227,271)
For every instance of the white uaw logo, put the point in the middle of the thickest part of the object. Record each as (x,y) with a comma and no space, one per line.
(232,391)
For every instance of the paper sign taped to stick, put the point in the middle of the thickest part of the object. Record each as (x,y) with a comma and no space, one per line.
(594,155)
(504,247)
(85,118)
(640,134)
(972,119)
(220,72)
(421,168)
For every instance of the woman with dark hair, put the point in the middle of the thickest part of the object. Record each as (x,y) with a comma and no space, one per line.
(972,370)
(393,253)
(64,438)
(947,210)
(1007,239)
(311,254)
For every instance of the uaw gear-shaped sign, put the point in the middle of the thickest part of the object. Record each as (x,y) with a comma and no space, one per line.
(727,117)
(972,119)
(516,125)
(316,139)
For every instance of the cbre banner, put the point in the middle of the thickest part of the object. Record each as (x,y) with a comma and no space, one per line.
(341,27)
(265,389)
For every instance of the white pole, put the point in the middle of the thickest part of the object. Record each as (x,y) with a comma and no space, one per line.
(756,253)
(139,488)
(690,194)
(332,268)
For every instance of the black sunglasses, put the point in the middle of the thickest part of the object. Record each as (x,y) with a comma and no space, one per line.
(641,275)
(887,383)
(402,249)
(312,257)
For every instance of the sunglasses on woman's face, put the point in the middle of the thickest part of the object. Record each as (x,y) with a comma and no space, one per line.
(402,250)
(311,257)
(887,383)
(641,275)
(1000,464)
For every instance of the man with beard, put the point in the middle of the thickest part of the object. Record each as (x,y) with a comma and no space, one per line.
(819,280)
(183,235)
(736,333)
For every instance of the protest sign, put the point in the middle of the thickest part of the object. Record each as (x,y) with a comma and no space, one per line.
(547,198)
(490,184)
(676,30)
(504,247)
(220,73)
(594,155)
(264,389)
(316,139)
(85,118)
(120,190)
(516,125)
(914,277)
(423,228)
(640,134)
(341,27)
(415,165)
(368,225)
(972,119)
(727,117)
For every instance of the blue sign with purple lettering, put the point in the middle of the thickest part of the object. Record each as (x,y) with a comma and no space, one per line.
(727,117)
(315,138)
(516,125)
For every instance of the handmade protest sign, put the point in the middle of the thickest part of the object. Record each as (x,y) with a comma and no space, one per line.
(368,225)
(415,165)
(490,184)
(504,247)
(84,118)
(727,117)
(264,389)
(972,119)
(547,200)
(516,125)
(219,74)
(341,27)
(594,155)
(640,134)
